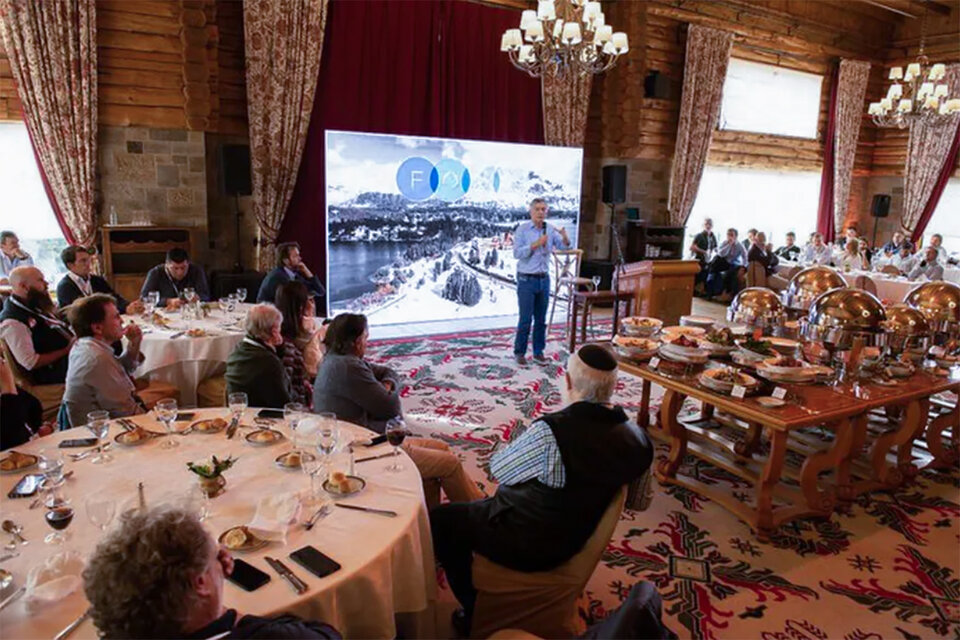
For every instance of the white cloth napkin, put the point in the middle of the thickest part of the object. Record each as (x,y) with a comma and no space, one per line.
(53,581)
(273,517)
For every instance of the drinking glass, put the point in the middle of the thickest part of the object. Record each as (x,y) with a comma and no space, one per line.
(166,411)
(327,434)
(241,294)
(237,402)
(232,302)
(98,422)
(50,464)
(224,304)
(59,519)
(100,511)
(313,466)
(154,298)
(189,293)
(396,432)
(596,283)
(292,414)
(148,306)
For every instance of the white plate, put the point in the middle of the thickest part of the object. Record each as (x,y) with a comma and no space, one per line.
(784,345)
(690,332)
(697,321)
(688,352)
(769,402)
(676,357)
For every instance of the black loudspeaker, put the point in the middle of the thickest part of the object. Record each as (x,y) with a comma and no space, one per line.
(881,206)
(235,169)
(615,184)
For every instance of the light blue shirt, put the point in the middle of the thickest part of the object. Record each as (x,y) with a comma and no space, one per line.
(535,260)
(9,264)
(734,252)
(534,454)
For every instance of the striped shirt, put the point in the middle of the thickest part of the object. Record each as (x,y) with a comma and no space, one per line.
(534,455)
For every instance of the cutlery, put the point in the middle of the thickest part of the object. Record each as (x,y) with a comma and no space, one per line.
(13,596)
(8,556)
(380,512)
(303,585)
(73,625)
(389,454)
(316,516)
(177,334)
(84,454)
(299,587)
(232,429)
(14,529)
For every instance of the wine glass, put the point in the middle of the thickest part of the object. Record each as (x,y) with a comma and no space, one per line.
(596,283)
(59,519)
(148,306)
(98,422)
(292,414)
(166,411)
(237,402)
(100,511)
(224,303)
(396,432)
(328,434)
(241,294)
(189,293)
(232,302)
(312,465)
(50,464)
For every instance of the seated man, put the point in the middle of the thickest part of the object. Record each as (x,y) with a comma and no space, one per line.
(748,241)
(724,278)
(936,242)
(556,480)
(11,255)
(290,266)
(789,251)
(905,260)
(97,379)
(704,243)
(160,574)
(256,365)
(929,268)
(759,252)
(37,338)
(173,276)
(850,233)
(368,394)
(817,252)
(80,282)
(895,244)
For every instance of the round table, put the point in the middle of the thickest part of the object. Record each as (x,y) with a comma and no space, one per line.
(387,563)
(892,288)
(182,360)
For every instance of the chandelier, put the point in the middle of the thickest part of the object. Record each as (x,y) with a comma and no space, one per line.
(569,37)
(918,94)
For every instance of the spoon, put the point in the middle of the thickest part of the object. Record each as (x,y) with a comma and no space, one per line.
(14,529)
(5,578)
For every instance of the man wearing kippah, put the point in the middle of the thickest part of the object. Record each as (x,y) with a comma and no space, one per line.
(556,479)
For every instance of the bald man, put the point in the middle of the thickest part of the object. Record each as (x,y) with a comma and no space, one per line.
(37,338)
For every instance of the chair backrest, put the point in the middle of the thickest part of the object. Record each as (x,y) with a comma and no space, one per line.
(889,269)
(566,262)
(865,283)
(789,273)
(756,274)
(20,375)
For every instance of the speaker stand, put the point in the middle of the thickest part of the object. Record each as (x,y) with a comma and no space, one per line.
(238,265)
(615,244)
(873,243)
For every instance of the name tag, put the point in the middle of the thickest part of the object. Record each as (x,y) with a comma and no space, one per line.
(739,391)
(779,393)
(654,362)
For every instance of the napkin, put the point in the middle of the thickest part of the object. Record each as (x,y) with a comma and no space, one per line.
(53,580)
(273,517)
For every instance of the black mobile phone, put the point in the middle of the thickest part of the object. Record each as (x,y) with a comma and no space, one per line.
(78,442)
(27,486)
(185,415)
(315,562)
(377,440)
(270,413)
(246,576)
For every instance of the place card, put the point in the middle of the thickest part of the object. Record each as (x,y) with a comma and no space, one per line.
(654,362)
(779,393)
(739,391)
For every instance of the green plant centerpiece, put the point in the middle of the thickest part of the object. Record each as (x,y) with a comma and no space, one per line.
(210,474)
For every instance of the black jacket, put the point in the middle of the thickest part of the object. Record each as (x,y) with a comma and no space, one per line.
(68,291)
(158,280)
(281,628)
(48,335)
(279,276)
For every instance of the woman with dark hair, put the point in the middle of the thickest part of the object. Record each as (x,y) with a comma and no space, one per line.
(369,395)
(293,300)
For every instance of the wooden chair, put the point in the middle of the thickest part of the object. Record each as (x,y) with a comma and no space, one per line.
(865,283)
(212,392)
(49,395)
(153,391)
(543,603)
(566,263)
(890,270)
(756,274)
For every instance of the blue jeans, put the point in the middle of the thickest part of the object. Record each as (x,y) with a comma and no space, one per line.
(533,295)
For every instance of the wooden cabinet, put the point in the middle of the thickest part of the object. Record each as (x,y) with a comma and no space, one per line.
(647,242)
(663,288)
(129,252)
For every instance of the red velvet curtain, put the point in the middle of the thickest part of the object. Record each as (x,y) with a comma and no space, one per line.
(825,224)
(409,67)
(945,173)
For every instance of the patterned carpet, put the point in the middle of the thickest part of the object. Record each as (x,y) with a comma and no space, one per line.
(884,567)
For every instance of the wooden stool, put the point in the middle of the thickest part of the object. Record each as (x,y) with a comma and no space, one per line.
(586,300)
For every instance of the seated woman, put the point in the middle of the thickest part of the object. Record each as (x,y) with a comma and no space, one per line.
(369,395)
(852,258)
(256,366)
(298,308)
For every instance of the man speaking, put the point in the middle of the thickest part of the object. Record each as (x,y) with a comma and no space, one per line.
(533,243)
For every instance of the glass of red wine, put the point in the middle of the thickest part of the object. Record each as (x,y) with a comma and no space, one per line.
(396,432)
(59,518)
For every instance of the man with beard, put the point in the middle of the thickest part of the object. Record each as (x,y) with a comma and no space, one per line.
(36,337)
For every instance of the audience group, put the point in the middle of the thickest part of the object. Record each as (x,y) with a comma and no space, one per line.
(724,265)
(158,573)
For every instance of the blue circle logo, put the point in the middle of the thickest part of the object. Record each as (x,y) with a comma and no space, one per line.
(450,179)
(414,178)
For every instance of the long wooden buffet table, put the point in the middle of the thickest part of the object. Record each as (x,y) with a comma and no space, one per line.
(844,410)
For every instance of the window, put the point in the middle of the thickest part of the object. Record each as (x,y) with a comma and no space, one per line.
(945,220)
(764,98)
(26,209)
(774,202)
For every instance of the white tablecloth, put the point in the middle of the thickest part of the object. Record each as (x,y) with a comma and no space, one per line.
(185,361)
(388,564)
(889,288)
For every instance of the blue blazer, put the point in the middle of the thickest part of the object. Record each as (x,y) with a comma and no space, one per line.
(277,277)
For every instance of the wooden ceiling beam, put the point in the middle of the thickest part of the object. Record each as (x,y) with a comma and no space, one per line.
(912,9)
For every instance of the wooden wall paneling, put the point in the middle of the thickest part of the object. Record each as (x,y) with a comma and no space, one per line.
(9,101)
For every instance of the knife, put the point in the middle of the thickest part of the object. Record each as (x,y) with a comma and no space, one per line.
(232,429)
(73,625)
(177,334)
(303,585)
(286,575)
(13,596)
(389,454)
(381,512)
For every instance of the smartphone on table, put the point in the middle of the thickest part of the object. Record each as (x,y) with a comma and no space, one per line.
(27,486)
(311,559)
(246,576)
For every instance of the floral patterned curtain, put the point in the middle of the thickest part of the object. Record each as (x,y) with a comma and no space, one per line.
(52,47)
(705,69)
(283,42)
(565,104)
(927,150)
(851,90)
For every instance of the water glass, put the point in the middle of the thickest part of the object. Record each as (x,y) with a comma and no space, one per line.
(98,422)
(154,298)
(237,402)
(292,414)
(189,294)
(596,283)
(312,466)
(224,303)
(148,306)
(166,411)
(100,511)
(328,434)
(232,302)
(396,432)
(50,465)
(241,294)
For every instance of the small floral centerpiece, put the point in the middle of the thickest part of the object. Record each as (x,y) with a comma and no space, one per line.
(210,474)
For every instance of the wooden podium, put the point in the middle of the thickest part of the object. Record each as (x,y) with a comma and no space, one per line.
(663,288)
